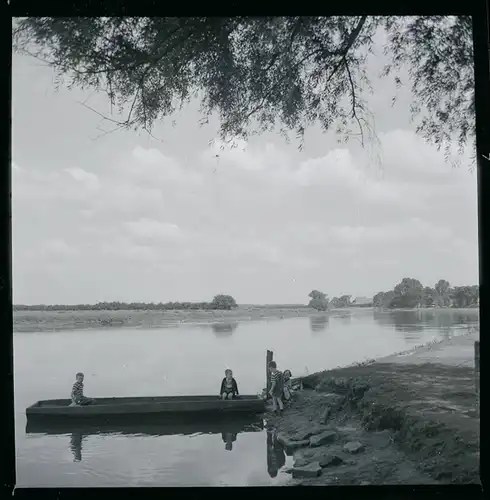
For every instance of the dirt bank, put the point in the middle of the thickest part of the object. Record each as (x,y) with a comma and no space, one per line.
(416,423)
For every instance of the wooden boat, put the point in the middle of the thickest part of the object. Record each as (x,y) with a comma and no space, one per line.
(149,426)
(138,406)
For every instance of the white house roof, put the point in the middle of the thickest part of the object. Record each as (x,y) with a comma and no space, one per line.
(361,301)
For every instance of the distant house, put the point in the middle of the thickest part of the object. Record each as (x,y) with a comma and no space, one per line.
(362,302)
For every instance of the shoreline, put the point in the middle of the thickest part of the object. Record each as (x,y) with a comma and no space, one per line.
(29,321)
(407,418)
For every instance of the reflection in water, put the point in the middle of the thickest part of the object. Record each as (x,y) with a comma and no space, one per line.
(408,321)
(228,429)
(228,438)
(344,317)
(417,320)
(224,329)
(276,457)
(319,323)
(76,446)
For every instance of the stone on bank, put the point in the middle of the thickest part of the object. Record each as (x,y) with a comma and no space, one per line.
(353,447)
(309,470)
(326,437)
(290,443)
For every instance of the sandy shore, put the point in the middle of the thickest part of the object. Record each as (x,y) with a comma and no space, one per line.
(405,419)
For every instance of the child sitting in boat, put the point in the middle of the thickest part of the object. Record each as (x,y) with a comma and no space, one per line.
(229,387)
(77,397)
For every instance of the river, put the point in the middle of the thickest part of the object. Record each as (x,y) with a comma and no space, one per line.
(190,359)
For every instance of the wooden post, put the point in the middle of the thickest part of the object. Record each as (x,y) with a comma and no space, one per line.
(477,376)
(268,359)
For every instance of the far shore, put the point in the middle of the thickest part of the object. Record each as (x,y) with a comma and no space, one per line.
(29,321)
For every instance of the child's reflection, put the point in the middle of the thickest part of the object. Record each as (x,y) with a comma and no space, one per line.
(276,458)
(76,446)
(228,438)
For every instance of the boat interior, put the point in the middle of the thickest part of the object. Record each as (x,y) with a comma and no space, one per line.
(141,400)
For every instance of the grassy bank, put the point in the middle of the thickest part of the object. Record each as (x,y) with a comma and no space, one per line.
(413,420)
(26,321)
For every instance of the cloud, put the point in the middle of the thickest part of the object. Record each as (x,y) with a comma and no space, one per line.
(129,200)
(135,213)
(337,173)
(221,218)
(403,233)
(71,185)
(51,248)
(151,229)
(86,213)
(152,166)
(88,179)
(57,247)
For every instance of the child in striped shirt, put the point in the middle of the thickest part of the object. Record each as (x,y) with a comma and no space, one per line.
(276,388)
(76,396)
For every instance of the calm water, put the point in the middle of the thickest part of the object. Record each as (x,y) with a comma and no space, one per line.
(189,360)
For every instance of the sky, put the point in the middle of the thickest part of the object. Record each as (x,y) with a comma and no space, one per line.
(129,217)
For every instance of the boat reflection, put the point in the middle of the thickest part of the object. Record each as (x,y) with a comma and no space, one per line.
(226,427)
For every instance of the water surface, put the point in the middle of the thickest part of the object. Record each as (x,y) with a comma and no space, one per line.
(189,359)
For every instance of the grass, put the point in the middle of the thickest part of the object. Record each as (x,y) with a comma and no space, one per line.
(29,321)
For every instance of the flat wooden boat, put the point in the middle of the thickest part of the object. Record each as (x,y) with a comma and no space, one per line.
(150,426)
(138,406)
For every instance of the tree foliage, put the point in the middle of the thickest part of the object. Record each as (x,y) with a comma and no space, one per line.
(341,302)
(410,293)
(319,300)
(316,294)
(261,72)
(223,302)
(383,299)
(219,302)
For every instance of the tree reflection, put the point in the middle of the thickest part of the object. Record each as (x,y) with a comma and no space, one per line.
(319,323)
(416,320)
(224,329)
(344,317)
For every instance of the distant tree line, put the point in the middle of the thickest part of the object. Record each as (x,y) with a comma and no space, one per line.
(411,293)
(223,302)
(321,302)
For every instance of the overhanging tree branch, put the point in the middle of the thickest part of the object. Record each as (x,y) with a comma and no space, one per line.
(288,71)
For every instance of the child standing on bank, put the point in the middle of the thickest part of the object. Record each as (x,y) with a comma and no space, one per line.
(276,388)
(287,386)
